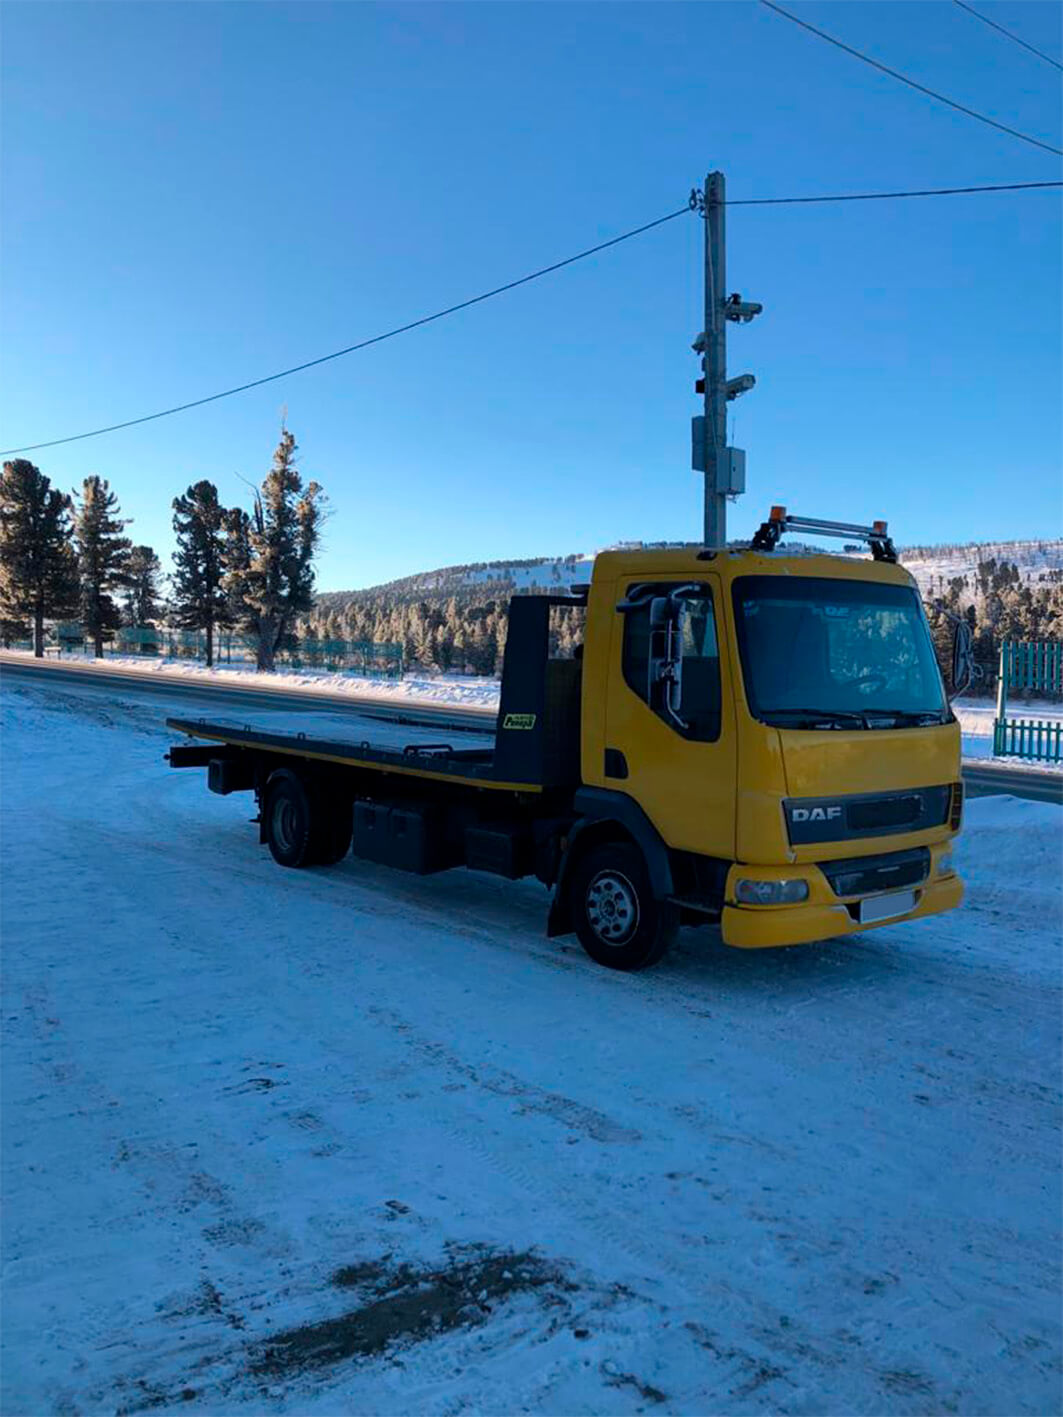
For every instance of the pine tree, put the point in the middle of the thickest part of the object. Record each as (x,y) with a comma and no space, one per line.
(103,555)
(269,553)
(38,570)
(143,591)
(199,522)
(12,630)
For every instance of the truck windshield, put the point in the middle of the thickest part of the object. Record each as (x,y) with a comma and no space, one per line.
(820,653)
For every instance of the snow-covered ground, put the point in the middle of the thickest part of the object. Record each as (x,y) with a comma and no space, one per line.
(350,1141)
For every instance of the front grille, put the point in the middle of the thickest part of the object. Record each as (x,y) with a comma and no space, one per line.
(863,875)
(815,819)
(885,812)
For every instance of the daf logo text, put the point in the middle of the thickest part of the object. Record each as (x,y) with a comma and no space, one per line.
(816,814)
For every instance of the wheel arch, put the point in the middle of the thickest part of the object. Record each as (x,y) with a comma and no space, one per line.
(605,816)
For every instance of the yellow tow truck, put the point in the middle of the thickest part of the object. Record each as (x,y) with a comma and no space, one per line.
(753,738)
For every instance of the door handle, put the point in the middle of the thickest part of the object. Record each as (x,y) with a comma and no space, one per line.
(615,763)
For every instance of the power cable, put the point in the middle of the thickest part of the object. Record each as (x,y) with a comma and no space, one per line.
(912,84)
(524,280)
(1013,37)
(884,196)
(352,348)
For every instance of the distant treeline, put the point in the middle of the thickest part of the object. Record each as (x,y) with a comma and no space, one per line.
(464,632)
(465,628)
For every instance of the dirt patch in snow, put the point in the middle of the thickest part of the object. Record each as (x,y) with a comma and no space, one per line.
(400,1305)
(404,1304)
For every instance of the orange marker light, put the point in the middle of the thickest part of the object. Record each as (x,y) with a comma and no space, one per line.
(778,514)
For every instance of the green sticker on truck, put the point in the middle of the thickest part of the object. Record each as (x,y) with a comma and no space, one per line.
(519,720)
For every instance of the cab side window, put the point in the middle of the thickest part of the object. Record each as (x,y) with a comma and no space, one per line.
(699,697)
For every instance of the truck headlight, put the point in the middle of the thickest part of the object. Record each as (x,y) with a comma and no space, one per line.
(945,866)
(770,892)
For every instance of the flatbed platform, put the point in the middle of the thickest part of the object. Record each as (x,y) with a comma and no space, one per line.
(429,759)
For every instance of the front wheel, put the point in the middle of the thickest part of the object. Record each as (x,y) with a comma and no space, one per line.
(619,922)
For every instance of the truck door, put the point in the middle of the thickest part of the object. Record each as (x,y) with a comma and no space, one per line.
(670,741)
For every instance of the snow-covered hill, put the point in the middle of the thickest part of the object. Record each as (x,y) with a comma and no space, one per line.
(932,566)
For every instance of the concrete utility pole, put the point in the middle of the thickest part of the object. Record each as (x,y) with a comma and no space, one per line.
(724,467)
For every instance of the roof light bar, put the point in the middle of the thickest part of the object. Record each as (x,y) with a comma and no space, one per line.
(779,522)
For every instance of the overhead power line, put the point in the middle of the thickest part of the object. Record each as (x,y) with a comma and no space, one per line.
(512,285)
(912,84)
(362,344)
(887,196)
(1008,34)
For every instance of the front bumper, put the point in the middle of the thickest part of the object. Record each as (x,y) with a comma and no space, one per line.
(823,916)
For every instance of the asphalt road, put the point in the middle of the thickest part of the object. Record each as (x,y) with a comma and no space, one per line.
(981,779)
(1035,784)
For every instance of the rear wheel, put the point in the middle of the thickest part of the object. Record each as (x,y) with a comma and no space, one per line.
(303,827)
(617,919)
(288,817)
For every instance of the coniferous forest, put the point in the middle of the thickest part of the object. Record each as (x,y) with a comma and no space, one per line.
(462,627)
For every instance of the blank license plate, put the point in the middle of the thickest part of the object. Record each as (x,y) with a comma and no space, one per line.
(885,907)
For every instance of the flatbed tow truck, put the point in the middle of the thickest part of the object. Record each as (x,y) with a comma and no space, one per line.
(755,739)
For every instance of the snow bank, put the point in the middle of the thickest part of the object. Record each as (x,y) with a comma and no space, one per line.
(457,689)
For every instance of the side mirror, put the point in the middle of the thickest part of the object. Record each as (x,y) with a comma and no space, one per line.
(963,668)
(667,615)
(661,612)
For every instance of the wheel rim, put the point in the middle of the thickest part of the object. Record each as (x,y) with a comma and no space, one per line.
(284,824)
(612,907)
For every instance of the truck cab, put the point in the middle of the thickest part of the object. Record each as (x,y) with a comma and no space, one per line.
(782,726)
(756,740)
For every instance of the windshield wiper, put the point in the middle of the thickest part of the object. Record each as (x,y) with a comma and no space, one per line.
(910,717)
(871,718)
(817,718)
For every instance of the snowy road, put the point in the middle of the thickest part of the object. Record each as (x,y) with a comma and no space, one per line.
(350,1141)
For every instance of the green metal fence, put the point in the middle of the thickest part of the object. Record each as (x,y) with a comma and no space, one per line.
(351,656)
(1039,739)
(69,636)
(137,639)
(362,657)
(1030,667)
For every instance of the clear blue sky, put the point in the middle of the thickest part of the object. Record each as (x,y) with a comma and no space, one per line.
(197,194)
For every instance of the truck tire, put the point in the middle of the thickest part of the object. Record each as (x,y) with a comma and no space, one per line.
(615,915)
(302,827)
(289,820)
